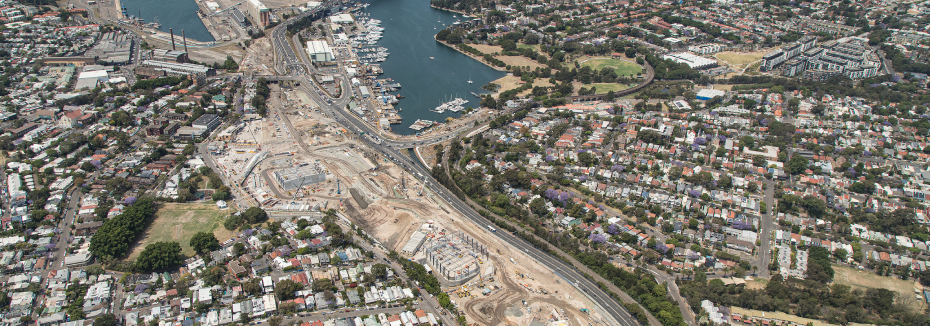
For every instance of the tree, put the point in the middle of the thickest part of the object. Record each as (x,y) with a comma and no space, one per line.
(531,38)
(106,320)
(255,215)
(797,164)
(233,222)
(116,234)
(275,321)
(587,159)
(865,187)
(814,206)
(252,287)
(285,289)
(95,270)
(379,271)
(747,142)
(538,206)
(444,300)
(214,276)
(818,267)
(204,242)
(840,254)
(630,52)
(158,256)
(238,249)
(230,64)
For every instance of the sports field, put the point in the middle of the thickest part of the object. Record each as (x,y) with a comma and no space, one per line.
(621,67)
(904,290)
(179,222)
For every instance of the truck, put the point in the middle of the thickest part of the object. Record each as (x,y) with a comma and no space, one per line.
(491,228)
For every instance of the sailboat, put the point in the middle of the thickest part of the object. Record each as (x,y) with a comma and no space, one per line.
(469,79)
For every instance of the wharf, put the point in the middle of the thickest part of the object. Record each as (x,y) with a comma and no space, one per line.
(119,9)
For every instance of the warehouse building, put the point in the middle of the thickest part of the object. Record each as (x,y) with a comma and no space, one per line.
(169,56)
(342,19)
(319,52)
(153,68)
(90,79)
(112,48)
(693,61)
(707,94)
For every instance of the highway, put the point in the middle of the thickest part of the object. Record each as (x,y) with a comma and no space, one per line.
(389,148)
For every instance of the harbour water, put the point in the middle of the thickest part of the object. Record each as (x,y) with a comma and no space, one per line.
(176,14)
(409,27)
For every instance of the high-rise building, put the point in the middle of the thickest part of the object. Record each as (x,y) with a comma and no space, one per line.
(260,14)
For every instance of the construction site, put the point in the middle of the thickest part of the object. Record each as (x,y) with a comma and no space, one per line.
(490,281)
(452,255)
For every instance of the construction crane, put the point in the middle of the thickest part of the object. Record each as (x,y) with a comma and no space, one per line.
(224,10)
(255,138)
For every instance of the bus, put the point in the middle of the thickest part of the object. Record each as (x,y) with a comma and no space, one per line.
(491,228)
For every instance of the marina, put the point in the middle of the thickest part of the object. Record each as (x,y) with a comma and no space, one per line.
(397,52)
(455,105)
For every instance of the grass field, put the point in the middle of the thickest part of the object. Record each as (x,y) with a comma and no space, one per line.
(607,87)
(740,58)
(621,67)
(527,46)
(179,222)
(865,280)
(510,82)
(486,49)
(754,69)
(519,61)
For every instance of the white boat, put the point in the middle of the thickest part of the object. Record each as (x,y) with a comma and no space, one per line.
(454,105)
(469,80)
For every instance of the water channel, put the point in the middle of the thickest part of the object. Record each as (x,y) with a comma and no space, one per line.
(176,14)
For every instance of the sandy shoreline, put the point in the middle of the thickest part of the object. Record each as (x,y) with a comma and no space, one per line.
(449,10)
